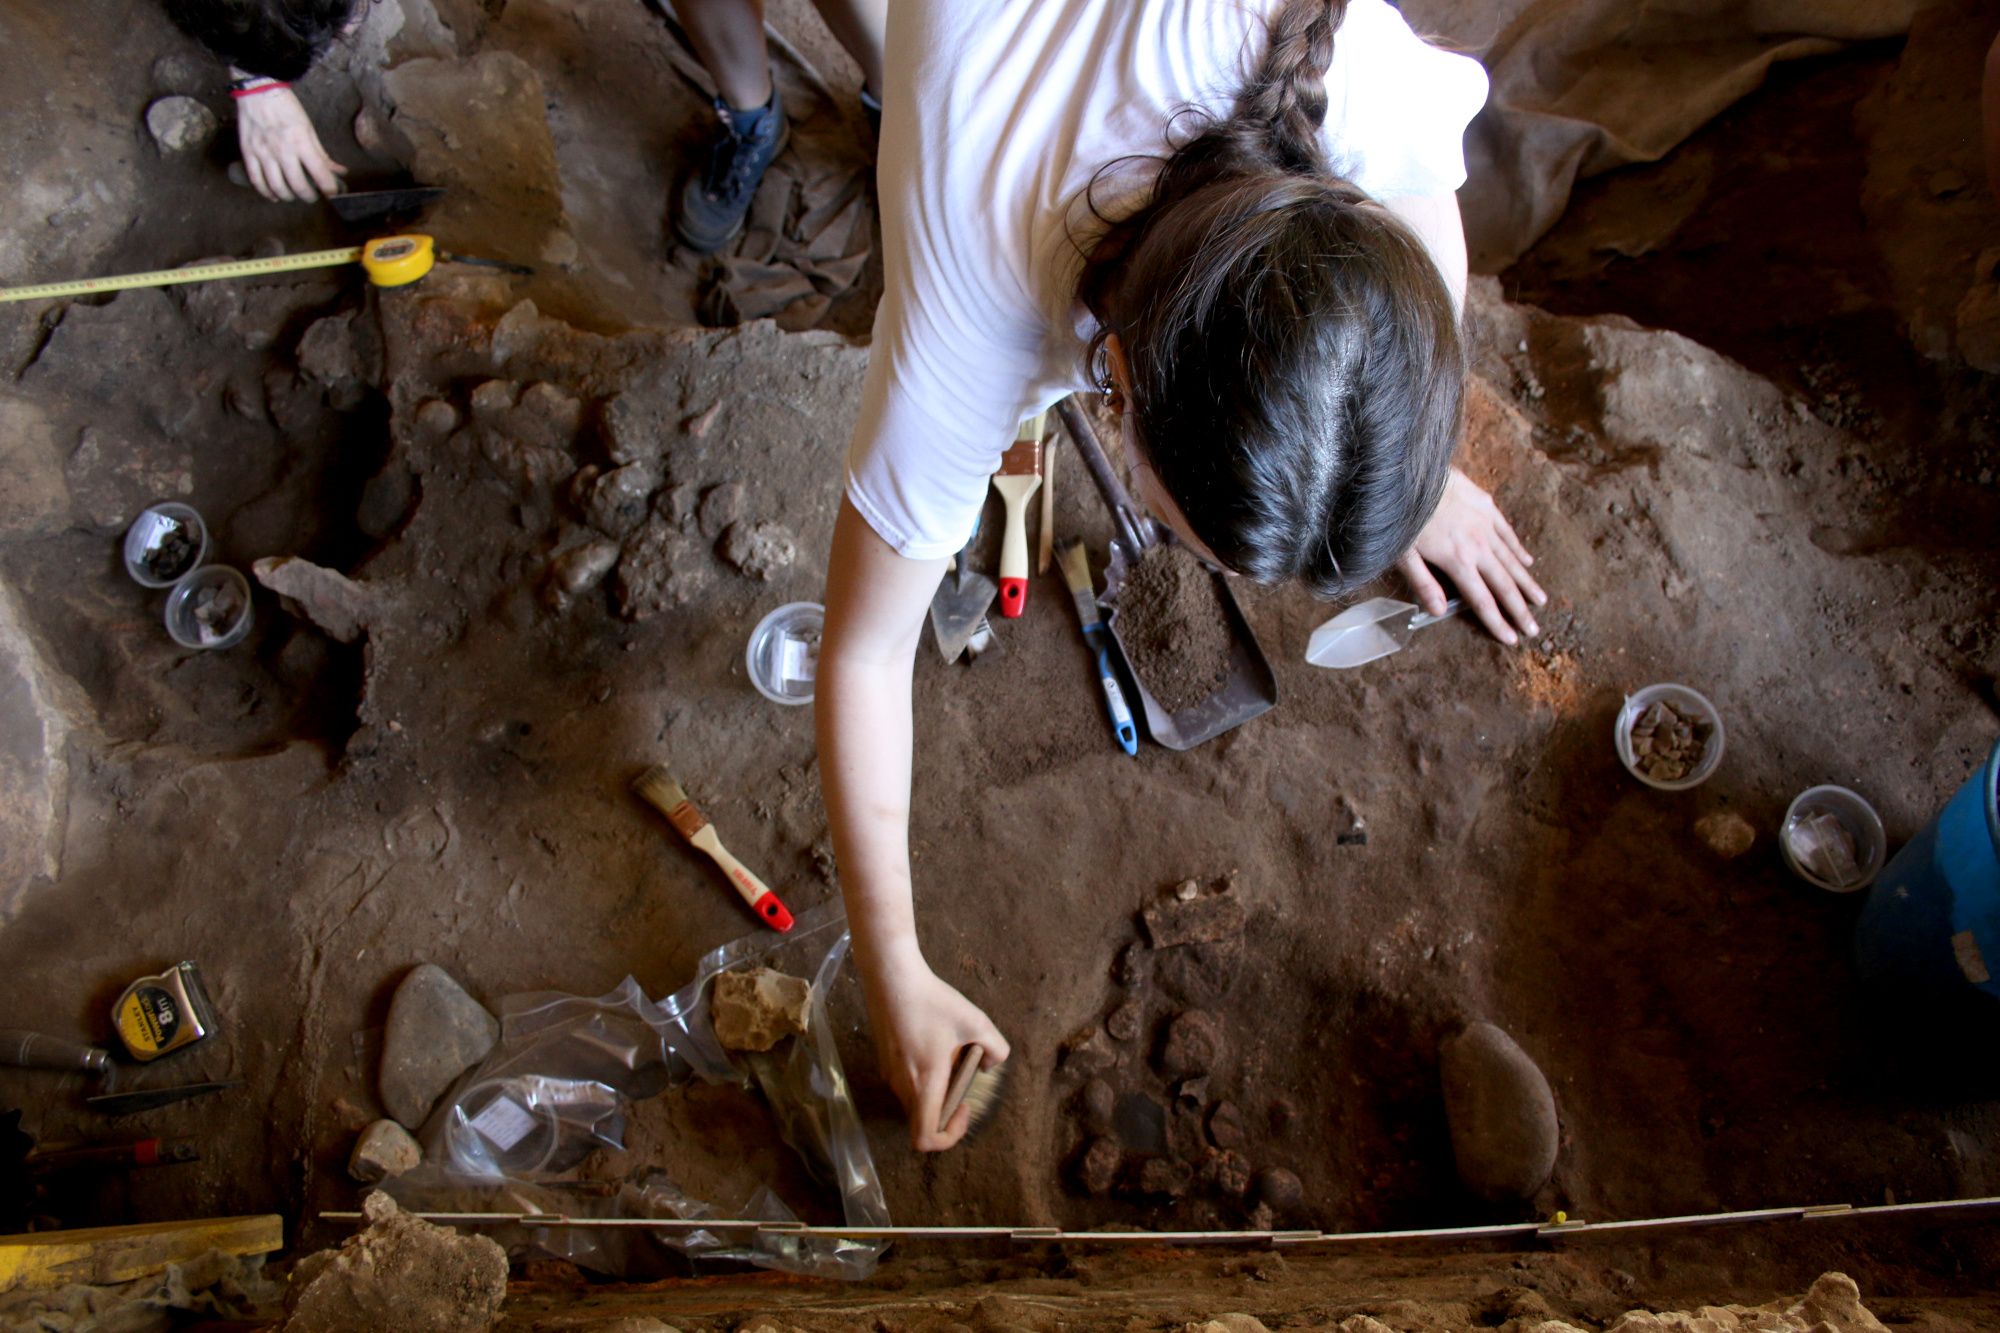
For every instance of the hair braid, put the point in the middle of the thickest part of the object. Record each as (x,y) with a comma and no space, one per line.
(1288,95)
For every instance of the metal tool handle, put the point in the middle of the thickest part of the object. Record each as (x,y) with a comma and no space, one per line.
(1136,528)
(38,1050)
(1423,618)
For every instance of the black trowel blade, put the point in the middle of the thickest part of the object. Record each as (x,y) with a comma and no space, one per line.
(370,204)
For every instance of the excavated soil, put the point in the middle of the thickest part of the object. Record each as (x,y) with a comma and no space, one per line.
(1172,627)
(1786,503)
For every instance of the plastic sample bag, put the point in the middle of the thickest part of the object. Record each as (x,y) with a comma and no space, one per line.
(554,1087)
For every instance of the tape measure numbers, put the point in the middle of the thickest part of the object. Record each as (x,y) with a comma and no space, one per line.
(390,261)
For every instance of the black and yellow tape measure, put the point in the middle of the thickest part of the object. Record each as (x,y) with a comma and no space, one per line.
(390,261)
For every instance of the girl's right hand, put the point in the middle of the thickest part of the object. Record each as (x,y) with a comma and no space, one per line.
(921,1024)
(281,152)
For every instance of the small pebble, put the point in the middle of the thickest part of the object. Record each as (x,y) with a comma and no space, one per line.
(1726,833)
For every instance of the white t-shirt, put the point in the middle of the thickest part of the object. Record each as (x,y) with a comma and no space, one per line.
(999,114)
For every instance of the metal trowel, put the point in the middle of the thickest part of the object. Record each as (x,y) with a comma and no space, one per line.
(958,607)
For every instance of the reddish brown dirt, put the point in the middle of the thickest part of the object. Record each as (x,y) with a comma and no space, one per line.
(1441,836)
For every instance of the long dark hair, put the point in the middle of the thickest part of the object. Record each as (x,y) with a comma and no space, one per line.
(1296,369)
(277,38)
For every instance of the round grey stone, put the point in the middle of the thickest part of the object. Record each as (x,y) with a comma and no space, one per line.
(1502,1114)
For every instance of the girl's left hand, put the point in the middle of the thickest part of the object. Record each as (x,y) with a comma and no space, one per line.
(1472,541)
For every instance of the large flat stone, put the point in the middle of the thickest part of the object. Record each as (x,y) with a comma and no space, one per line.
(436,1032)
(40,707)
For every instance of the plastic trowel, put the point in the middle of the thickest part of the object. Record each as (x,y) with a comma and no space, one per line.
(958,607)
(1375,628)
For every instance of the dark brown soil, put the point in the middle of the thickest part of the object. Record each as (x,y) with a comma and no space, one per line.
(1173,627)
(1442,836)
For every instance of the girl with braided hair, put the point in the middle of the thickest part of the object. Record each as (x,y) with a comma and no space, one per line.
(1234,217)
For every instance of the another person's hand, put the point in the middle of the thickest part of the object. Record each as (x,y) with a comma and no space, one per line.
(1472,541)
(281,152)
(921,1023)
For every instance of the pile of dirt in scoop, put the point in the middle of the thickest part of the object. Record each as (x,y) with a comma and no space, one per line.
(1175,632)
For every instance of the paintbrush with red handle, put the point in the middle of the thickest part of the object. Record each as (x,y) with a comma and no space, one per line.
(1019,476)
(660,790)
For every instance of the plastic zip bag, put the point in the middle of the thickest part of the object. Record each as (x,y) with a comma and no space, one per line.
(553,1090)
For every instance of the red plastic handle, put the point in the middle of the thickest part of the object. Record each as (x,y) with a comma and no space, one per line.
(774,913)
(1013,597)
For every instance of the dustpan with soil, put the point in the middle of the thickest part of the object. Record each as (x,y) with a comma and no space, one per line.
(1185,642)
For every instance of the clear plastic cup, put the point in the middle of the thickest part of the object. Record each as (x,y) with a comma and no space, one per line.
(209,608)
(1833,840)
(783,656)
(1690,703)
(165,544)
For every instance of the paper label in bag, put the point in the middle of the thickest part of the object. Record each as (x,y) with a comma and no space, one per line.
(503,1123)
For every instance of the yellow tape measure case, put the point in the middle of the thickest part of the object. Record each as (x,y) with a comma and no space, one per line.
(163,1013)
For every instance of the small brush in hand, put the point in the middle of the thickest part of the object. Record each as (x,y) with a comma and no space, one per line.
(660,790)
(981,1089)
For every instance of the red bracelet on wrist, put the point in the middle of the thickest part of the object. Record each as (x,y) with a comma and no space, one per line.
(255,86)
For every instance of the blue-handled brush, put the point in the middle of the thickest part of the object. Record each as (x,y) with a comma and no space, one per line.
(1076,572)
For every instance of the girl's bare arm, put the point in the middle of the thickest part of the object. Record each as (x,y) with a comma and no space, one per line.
(875,605)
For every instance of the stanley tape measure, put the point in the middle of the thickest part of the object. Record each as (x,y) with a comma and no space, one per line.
(390,261)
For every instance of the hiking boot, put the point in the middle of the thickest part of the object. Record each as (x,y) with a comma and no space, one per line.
(716,198)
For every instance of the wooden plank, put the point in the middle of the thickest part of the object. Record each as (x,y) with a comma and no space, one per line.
(105,1255)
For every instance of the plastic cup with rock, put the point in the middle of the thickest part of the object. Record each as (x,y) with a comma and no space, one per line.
(783,656)
(209,608)
(1833,839)
(1669,737)
(165,544)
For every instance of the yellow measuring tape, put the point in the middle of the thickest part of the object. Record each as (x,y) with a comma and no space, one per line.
(390,261)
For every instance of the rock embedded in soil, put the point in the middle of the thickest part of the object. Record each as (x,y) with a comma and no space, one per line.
(1194,1044)
(1133,966)
(755,1010)
(1090,1053)
(1504,1132)
(629,432)
(1098,1170)
(435,1033)
(1225,1126)
(1225,1172)
(493,400)
(660,570)
(1163,1176)
(384,1149)
(1726,833)
(721,505)
(1198,974)
(615,502)
(180,124)
(759,550)
(1096,1103)
(1140,1124)
(326,597)
(581,568)
(1123,1022)
(1278,1188)
(546,416)
(1204,919)
(1834,1299)
(399,1273)
(1173,627)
